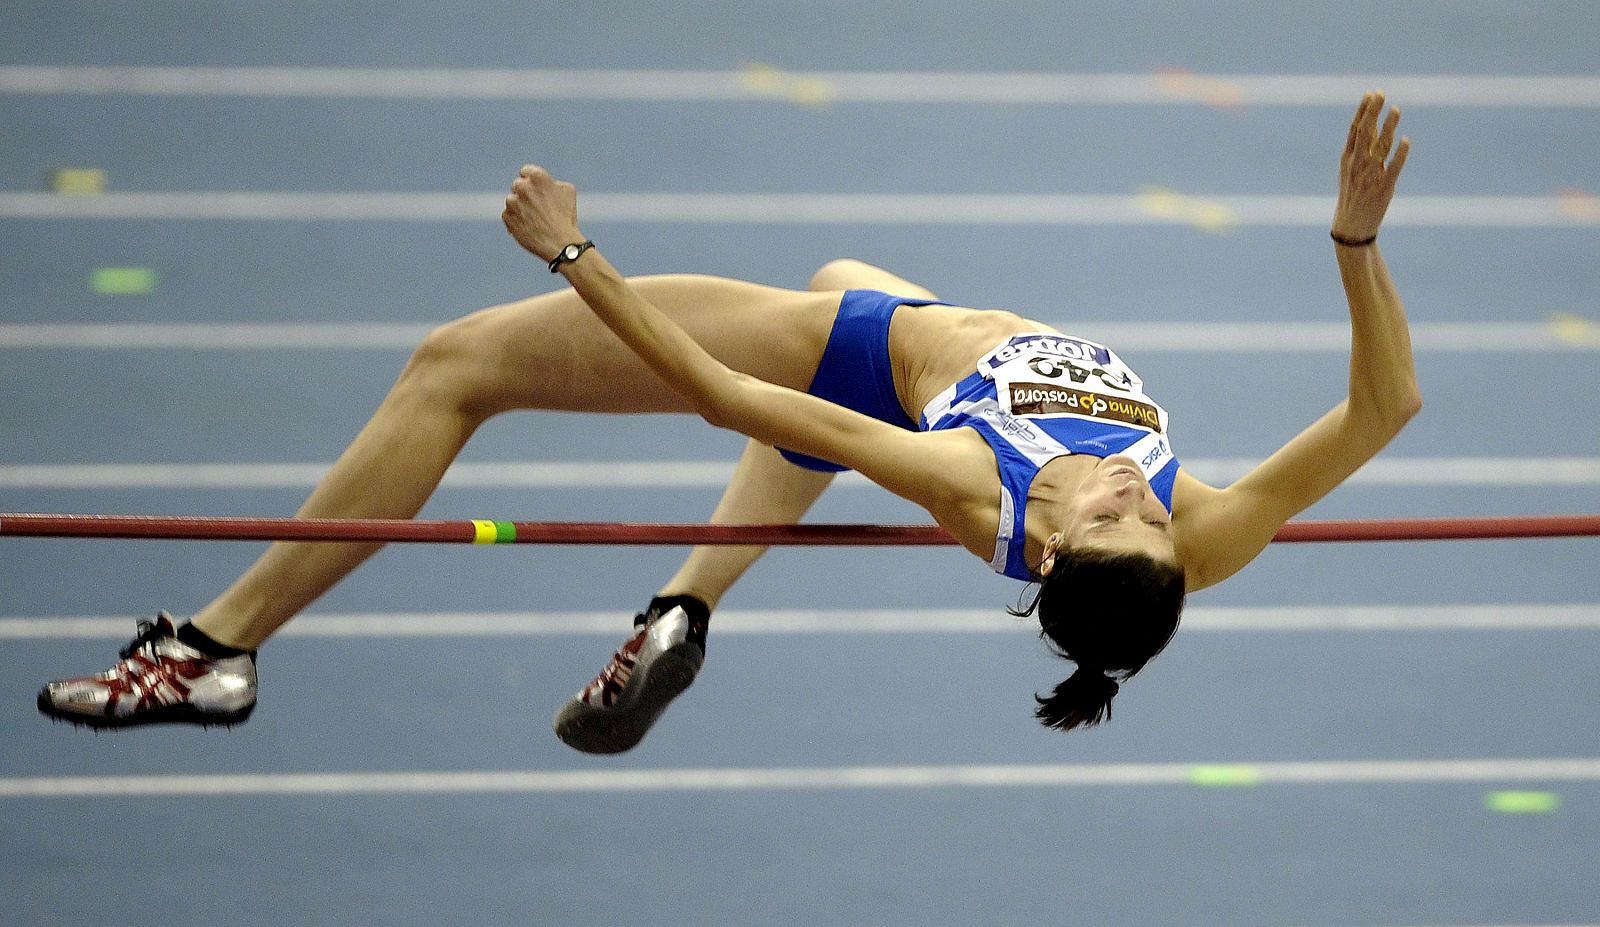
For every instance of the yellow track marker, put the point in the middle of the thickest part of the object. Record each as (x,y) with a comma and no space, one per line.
(768,81)
(1206,215)
(78,181)
(1217,92)
(1575,330)
(122,281)
(1233,776)
(1522,802)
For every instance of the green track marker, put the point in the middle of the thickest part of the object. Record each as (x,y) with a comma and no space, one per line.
(78,181)
(1522,802)
(505,532)
(1224,776)
(122,281)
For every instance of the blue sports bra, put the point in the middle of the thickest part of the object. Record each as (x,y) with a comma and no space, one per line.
(1040,396)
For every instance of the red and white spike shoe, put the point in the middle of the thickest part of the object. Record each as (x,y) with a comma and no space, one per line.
(655,665)
(160,680)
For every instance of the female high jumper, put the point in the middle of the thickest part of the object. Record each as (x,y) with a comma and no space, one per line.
(1041,453)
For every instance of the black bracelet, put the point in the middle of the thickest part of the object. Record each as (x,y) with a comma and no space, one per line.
(569,254)
(1350,242)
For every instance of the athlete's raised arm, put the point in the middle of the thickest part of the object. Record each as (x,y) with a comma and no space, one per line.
(1222,530)
(929,469)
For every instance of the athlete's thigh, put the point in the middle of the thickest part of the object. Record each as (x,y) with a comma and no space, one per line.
(551,352)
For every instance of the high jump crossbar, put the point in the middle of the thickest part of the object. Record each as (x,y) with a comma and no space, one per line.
(485,531)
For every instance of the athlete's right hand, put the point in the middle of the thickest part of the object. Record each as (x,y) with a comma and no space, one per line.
(542,212)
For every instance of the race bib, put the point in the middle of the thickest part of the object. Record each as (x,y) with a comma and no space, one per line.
(1047,375)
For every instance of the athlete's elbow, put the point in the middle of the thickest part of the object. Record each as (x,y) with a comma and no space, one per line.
(1412,405)
(719,402)
(1385,410)
(714,409)
(1404,405)
(1399,412)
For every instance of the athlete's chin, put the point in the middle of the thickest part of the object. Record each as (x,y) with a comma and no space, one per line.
(1118,465)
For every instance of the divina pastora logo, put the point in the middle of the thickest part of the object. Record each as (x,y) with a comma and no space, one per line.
(1050,399)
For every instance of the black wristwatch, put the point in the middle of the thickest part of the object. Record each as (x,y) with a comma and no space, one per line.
(569,254)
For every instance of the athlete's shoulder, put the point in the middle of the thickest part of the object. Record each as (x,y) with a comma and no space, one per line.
(962,499)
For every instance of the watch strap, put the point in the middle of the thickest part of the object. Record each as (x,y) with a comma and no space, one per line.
(567,254)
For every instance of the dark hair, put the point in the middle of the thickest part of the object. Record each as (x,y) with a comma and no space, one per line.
(1110,612)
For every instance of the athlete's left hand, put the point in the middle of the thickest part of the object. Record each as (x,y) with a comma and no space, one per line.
(1367,173)
(542,212)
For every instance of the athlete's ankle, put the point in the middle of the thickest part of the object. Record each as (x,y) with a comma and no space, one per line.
(693,606)
(697,604)
(191,635)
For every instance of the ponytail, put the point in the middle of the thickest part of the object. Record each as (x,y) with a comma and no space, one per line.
(1081,700)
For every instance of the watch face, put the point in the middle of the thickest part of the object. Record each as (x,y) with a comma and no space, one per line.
(570,252)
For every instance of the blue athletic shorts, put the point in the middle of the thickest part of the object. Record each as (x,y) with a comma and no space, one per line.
(855,370)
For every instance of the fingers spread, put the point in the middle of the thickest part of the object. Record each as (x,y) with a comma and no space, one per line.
(1355,125)
(1399,159)
(1386,137)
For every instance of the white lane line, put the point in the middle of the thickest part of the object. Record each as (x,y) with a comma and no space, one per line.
(536,475)
(1559,333)
(714,474)
(1338,772)
(216,336)
(754,84)
(805,208)
(1359,618)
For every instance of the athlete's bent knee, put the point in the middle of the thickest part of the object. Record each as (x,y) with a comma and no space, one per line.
(838,274)
(448,366)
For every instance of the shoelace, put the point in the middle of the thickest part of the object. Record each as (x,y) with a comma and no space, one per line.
(152,679)
(620,667)
(149,631)
(616,674)
(156,681)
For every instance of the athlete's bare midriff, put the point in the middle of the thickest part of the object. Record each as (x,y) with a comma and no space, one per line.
(931,347)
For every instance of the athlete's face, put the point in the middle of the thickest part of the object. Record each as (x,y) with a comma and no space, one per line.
(1115,509)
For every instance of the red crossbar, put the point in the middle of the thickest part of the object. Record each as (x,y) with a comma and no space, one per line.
(167,527)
